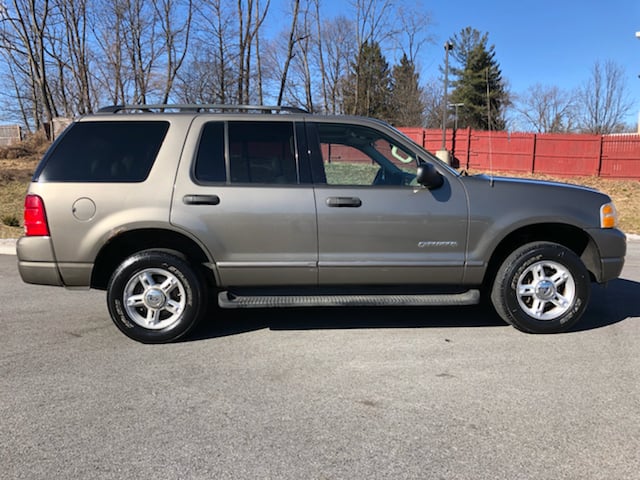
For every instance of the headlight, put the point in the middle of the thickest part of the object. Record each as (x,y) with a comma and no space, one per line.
(608,216)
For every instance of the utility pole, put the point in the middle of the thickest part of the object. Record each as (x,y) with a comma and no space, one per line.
(443,153)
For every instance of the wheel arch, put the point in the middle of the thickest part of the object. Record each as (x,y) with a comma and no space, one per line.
(570,236)
(127,243)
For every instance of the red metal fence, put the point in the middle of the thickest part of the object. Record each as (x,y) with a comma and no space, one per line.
(612,156)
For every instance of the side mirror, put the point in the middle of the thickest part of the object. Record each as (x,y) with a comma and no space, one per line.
(428,176)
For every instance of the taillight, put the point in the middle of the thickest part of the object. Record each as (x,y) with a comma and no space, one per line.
(35,218)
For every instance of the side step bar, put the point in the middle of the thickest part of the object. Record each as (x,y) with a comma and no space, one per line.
(228,300)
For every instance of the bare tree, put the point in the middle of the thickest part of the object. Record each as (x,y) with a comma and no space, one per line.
(372,21)
(432,100)
(372,27)
(548,109)
(413,34)
(603,100)
(303,65)
(304,80)
(222,32)
(208,75)
(338,39)
(112,76)
(250,18)
(320,56)
(70,54)
(294,59)
(174,17)
(293,39)
(18,94)
(23,38)
(141,47)
(127,41)
(259,79)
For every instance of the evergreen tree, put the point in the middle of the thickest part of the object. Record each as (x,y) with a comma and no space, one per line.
(407,105)
(477,82)
(367,89)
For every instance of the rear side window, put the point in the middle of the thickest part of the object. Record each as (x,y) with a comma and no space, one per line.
(262,152)
(104,152)
(258,153)
(210,166)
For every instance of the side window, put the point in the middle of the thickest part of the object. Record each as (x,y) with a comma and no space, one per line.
(121,151)
(355,155)
(262,152)
(210,164)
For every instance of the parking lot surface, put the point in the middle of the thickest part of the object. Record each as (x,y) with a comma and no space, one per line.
(389,393)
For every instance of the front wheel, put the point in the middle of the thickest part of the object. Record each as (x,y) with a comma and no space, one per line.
(541,287)
(155,297)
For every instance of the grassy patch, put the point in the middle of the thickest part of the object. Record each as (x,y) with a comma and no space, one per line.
(11,207)
(17,164)
(344,173)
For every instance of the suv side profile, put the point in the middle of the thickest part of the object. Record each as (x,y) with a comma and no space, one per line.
(172,209)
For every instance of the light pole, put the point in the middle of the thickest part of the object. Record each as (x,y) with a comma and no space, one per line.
(443,154)
(638,37)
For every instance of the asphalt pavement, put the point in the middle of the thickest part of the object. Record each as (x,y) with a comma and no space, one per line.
(344,393)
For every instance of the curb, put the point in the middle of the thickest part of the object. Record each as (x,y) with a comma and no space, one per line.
(8,245)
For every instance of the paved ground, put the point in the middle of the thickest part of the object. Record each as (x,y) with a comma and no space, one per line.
(318,393)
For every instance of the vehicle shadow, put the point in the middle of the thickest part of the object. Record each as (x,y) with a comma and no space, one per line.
(609,305)
(232,322)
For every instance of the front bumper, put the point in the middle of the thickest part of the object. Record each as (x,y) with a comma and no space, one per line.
(612,248)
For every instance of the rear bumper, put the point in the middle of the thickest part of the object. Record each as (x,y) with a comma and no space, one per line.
(36,261)
(40,273)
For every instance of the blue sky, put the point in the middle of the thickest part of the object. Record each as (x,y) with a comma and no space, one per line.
(553,43)
(545,41)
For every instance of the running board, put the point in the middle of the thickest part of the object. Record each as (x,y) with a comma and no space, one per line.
(227,300)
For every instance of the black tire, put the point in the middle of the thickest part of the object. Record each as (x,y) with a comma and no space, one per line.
(155,297)
(541,287)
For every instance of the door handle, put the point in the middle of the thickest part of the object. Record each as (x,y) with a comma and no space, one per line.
(340,202)
(201,199)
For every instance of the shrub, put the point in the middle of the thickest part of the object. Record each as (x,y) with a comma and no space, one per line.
(11,220)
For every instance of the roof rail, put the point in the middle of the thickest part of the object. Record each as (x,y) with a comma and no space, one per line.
(143,108)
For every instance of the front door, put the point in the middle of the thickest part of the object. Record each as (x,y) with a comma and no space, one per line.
(375,224)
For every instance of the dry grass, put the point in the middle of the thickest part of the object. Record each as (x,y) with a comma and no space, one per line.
(17,164)
(11,205)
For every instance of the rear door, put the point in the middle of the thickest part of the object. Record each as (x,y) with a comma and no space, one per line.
(375,224)
(245,193)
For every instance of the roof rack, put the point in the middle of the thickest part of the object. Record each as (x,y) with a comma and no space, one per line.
(142,108)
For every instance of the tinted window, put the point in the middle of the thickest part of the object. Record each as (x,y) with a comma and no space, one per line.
(105,152)
(262,152)
(210,165)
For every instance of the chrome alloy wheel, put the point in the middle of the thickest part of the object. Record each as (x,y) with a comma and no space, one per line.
(546,290)
(154,298)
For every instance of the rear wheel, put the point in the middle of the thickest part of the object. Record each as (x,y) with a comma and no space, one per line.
(541,287)
(155,297)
